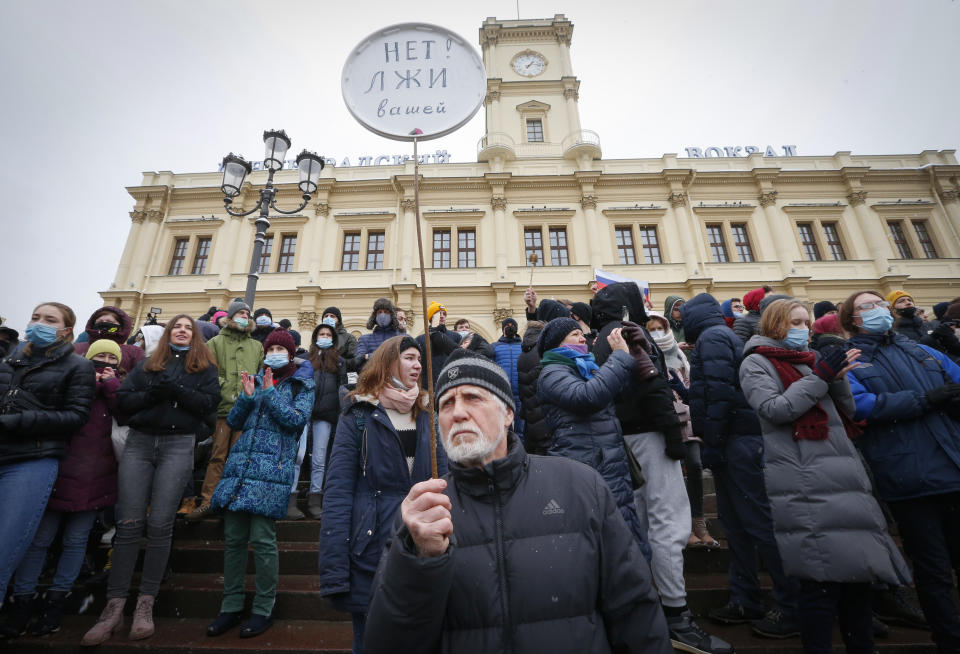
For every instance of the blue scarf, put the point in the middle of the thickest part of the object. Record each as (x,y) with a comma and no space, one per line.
(585,363)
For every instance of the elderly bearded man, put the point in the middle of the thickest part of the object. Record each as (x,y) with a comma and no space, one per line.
(509,552)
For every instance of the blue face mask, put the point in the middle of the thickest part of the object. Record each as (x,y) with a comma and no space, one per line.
(797,338)
(241,322)
(324,343)
(877,320)
(330,321)
(180,348)
(276,360)
(738,314)
(40,334)
(264,321)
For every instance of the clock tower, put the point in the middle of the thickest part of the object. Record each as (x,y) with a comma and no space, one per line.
(532,93)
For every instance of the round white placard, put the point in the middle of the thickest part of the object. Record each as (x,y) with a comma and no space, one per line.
(413,76)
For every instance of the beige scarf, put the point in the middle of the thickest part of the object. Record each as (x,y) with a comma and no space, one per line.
(398,400)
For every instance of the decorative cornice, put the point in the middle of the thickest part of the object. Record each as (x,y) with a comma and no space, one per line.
(677,199)
(814,209)
(138,216)
(491,97)
(442,214)
(154,215)
(857,198)
(408,204)
(570,93)
(768,199)
(588,202)
(365,217)
(499,203)
(490,34)
(544,212)
(635,212)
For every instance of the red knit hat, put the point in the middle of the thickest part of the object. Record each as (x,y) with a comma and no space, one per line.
(751,301)
(282,338)
(827,325)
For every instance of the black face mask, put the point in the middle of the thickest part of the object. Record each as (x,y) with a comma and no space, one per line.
(509,331)
(103,364)
(106,327)
(908,312)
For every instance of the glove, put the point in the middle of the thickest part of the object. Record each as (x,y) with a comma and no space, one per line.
(827,367)
(638,345)
(943,395)
(943,330)
(678,386)
(675,449)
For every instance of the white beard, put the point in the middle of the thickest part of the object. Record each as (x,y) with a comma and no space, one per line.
(475,450)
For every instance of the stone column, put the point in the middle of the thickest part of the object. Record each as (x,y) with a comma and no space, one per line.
(951,202)
(571,96)
(408,240)
(589,205)
(678,200)
(780,227)
(224,249)
(874,230)
(499,203)
(129,249)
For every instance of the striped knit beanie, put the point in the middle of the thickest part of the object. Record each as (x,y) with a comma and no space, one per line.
(465,367)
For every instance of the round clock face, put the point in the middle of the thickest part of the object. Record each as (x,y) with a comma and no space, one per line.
(529,64)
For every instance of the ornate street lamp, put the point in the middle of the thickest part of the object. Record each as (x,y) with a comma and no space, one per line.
(236,168)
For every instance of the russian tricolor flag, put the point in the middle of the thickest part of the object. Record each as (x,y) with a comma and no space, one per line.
(606,278)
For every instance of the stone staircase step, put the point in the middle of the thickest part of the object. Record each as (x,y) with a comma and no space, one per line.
(287,530)
(900,641)
(296,558)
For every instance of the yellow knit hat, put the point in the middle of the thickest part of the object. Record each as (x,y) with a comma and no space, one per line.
(896,295)
(104,346)
(433,308)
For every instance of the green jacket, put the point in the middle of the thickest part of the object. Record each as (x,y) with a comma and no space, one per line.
(235,351)
(675,326)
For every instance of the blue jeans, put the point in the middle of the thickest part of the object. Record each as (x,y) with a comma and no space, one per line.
(75,533)
(320,431)
(25,488)
(744,513)
(153,470)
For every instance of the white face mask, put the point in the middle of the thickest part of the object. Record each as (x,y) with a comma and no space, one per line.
(463,332)
(657,333)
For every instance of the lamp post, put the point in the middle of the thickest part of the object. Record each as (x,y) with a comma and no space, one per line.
(236,168)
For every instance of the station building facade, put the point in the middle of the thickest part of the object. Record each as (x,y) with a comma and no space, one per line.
(816,227)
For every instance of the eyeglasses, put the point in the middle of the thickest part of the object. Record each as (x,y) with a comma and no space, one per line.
(867,306)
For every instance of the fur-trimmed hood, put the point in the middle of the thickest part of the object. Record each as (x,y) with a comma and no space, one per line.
(383,303)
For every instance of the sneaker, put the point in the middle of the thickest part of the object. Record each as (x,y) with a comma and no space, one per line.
(776,625)
(895,607)
(687,636)
(734,614)
(201,513)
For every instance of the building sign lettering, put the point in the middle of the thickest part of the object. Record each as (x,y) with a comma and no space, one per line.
(740,151)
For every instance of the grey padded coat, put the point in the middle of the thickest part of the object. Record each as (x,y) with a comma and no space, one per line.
(827,524)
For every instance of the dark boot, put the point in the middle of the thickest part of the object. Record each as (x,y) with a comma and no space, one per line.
(314,505)
(22,609)
(49,622)
(293,512)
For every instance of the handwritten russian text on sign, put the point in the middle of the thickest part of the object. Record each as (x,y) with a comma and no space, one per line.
(413,76)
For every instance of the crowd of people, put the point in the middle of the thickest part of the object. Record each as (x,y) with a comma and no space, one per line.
(578,445)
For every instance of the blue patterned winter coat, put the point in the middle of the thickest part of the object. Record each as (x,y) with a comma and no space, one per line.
(259,471)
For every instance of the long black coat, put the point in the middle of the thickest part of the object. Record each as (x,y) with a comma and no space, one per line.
(536,436)
(62,385)
(540,561)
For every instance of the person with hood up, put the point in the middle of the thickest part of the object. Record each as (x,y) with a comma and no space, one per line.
(909,396)
(381,449)
(733,450)
(944,337)
(748,325)
(150,338)
(577,396)
(830,531)
(208,328)
(383,322)
(114,325)
(86,483)
(536,435)
(583,314)
(729,316)
(443,341)
(671,311)
(46,391)
(263,326)
(235,353)
(253,493)
(506,352)
(646,410)
(346,342)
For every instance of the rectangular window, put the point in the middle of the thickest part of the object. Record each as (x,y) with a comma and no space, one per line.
(809,241)
(718,248)
(441,248)
(533,244)
(264,266)
(741,242)
(466,248)
(558,247)
(900,239)
(375,241)
(625,249)
(288,244)
(649,243)
(351,251)
(832,236)
(535,131)
(179,254)
(929,250)
(201,256)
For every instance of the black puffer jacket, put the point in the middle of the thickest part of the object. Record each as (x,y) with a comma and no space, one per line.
(913,327)
(171,401)
(646,404)
(536,436)
(539,561)
(443,342)
(49,403)
(326,403)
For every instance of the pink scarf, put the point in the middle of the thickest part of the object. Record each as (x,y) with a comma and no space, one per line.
(398,400)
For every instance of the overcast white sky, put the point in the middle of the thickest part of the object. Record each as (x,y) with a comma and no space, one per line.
(95,92)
